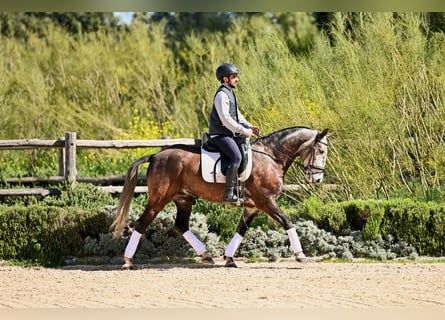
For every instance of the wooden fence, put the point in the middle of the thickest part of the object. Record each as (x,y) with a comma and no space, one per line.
(67,161)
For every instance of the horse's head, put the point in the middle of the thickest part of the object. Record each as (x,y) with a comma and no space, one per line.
(314,158)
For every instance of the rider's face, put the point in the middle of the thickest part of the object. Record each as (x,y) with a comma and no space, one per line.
(232,80)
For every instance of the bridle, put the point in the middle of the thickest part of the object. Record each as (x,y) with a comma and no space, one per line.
(311,168)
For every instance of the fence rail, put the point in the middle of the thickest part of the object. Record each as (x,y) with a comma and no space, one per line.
(67,163)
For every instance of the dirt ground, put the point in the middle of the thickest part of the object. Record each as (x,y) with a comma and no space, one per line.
(284,284)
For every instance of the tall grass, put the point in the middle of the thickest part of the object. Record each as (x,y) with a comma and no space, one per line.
(379,85)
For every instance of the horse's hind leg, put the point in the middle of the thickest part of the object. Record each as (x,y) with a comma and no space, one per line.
(154,206)
(141,225)
(243,225)
(184,208)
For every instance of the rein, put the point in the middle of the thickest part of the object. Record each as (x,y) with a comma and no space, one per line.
(271,156)
(311,165)
(307,168)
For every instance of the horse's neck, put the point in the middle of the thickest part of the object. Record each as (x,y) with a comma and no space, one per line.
(286,145)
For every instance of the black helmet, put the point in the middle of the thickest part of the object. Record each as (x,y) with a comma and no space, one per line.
(225,70)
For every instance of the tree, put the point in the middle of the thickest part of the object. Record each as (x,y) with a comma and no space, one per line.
(18,24)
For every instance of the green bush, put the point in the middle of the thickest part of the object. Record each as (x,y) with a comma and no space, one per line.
(371,229)
(436,243)
(418,223)
(333,218)
(81,195)
(49,231)
(366,216)
(38,233)
(45,231)
(12,228)
(221,219)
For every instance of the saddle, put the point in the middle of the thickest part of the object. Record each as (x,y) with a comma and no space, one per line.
(214,164)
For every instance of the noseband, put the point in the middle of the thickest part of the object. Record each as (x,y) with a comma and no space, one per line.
(311,168)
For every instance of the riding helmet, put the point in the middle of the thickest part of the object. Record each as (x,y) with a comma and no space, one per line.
(225,70)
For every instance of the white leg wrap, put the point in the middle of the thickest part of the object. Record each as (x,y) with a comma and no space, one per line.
(196,244)
(132,244)
(233,245)
(294,240)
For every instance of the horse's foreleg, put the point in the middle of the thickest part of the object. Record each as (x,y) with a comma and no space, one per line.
(278,215)
(243,225)
(296,245)
(184,209)
(198,246)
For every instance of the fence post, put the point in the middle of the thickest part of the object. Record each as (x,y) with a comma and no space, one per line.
(70,157)
(61,154)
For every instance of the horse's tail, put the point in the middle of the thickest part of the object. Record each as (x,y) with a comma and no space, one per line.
(126,196)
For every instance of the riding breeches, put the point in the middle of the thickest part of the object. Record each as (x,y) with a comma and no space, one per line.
(229,148)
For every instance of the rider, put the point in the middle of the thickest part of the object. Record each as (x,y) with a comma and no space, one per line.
(226,121)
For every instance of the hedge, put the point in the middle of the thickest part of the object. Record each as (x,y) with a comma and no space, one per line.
(47,234)
(421,224)
(385,229)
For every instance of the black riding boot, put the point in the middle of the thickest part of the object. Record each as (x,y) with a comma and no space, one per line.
(231,192)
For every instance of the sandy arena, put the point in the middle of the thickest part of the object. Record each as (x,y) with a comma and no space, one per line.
(284,284)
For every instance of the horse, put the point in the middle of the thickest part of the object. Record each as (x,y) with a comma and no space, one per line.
(174,174)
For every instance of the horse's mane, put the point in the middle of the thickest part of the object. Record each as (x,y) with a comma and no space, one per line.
(197,147)
(278,132)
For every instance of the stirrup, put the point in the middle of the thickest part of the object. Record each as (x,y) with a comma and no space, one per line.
(231,197)
(234,200)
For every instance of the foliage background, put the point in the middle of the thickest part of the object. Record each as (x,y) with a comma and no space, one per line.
(374,78)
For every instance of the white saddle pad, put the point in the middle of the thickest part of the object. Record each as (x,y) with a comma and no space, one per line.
(212,173)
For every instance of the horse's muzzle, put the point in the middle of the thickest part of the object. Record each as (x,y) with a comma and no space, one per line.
(314,177)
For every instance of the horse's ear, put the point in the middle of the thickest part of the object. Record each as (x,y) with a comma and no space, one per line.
(329,134)
(322,134)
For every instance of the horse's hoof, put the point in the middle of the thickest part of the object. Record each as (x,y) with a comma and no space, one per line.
(128,265)
(206,258)
(300,257)
(230,263)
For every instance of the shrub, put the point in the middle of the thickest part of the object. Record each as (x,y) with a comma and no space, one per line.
(37,233)
(417,223)
(389,229)
(221,219)
(420,224)
(82,195)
